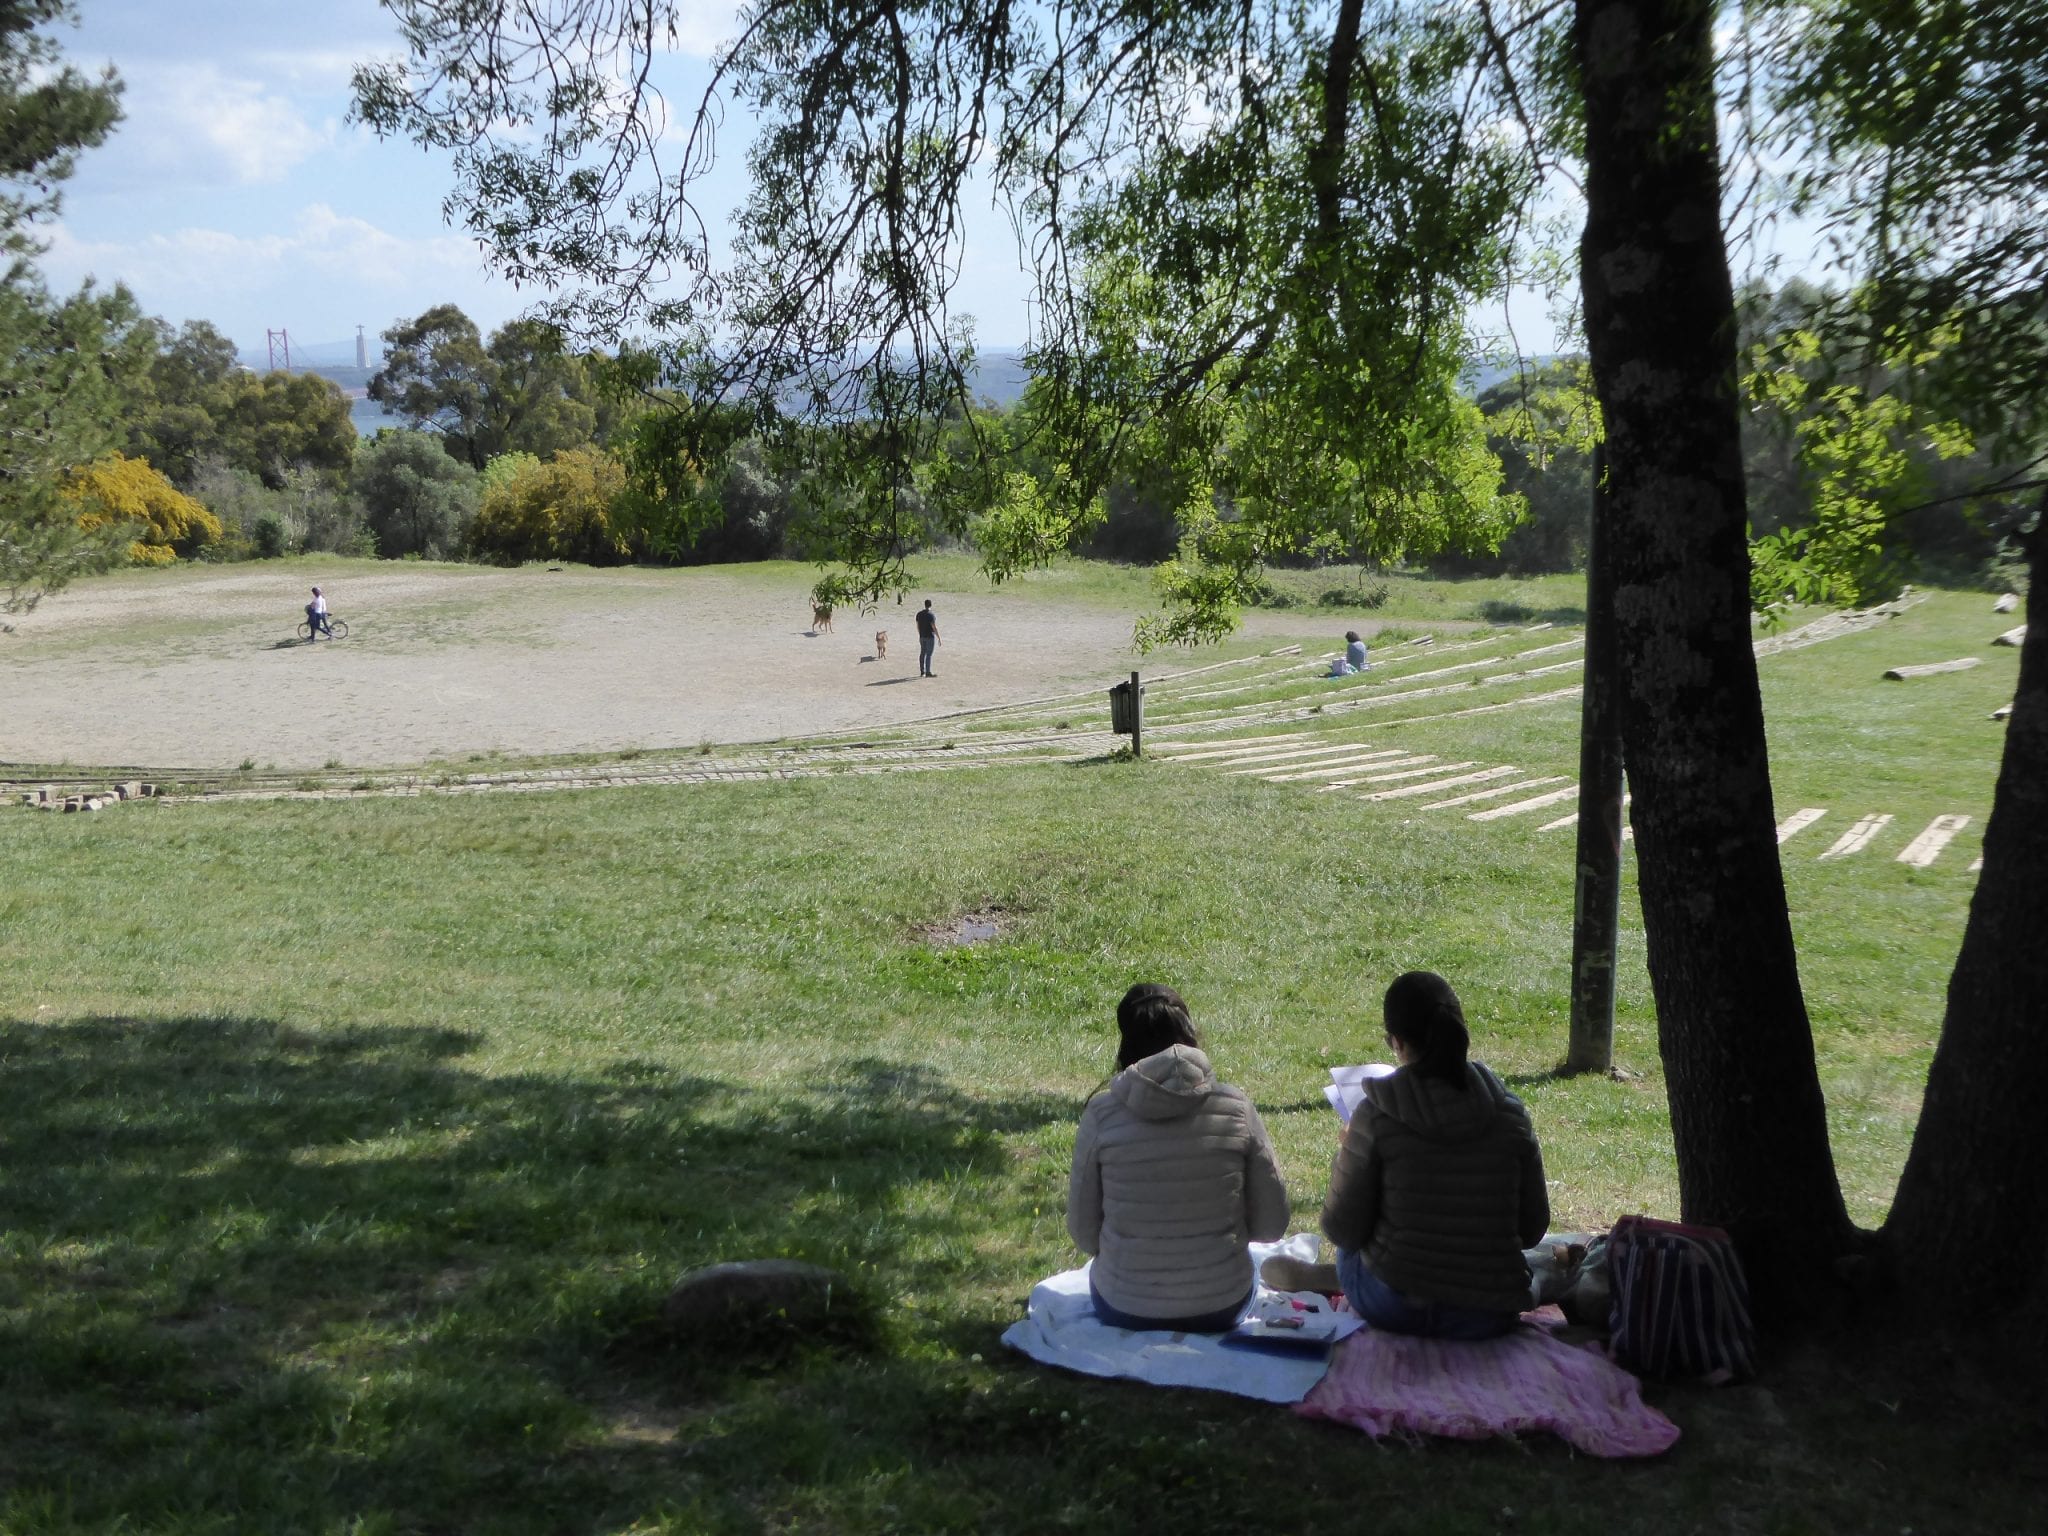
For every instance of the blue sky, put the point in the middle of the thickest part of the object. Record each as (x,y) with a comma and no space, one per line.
(236,191)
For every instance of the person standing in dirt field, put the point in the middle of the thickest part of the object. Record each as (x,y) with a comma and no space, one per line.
(927,639)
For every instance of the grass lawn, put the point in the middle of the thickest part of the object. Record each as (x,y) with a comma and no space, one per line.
(349,1143)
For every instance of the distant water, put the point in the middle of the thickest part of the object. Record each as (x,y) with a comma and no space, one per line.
(370,417)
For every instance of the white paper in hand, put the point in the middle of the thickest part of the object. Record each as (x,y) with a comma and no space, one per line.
(1347,1086)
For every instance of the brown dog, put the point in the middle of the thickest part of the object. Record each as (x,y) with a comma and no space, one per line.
(881,645)
(821,617)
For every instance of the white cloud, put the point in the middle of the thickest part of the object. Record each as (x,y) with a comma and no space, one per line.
(320,275)
(218,124)
(320,244)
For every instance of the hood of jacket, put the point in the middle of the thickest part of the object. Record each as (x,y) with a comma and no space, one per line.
(1432,1108)
(1173,1084)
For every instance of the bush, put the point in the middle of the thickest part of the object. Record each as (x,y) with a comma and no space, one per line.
(118,490)
(305,512)
(558,510)
(1367,594)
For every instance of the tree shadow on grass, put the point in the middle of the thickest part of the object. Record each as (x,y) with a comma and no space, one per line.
(266,1279)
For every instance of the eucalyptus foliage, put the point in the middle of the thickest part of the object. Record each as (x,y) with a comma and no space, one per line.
(1925,152)
(1254,228)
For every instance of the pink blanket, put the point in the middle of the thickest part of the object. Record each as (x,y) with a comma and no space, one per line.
(1385,1383)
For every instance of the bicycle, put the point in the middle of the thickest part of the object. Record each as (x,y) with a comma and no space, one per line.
(337,629)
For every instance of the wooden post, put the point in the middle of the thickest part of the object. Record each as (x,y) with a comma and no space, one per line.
(1137,717)
(1596,915)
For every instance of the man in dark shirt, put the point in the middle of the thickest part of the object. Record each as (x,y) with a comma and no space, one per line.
(927,639)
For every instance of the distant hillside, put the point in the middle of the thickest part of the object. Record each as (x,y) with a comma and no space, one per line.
(999,377)
(1483,376)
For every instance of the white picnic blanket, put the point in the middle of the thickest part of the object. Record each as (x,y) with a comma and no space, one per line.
(1062,1329)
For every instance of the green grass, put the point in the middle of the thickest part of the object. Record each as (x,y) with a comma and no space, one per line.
(351,1144)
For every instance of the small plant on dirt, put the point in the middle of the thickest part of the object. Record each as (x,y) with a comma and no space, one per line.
(332,763)
(247,765)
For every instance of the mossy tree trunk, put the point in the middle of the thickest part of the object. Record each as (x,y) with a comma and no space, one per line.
(1748,1119)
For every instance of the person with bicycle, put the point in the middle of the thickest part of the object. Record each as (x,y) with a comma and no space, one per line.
(316,619)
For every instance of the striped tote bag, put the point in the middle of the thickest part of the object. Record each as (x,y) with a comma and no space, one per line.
(1681,1306)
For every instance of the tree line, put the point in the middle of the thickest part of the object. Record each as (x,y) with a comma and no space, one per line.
(520,450)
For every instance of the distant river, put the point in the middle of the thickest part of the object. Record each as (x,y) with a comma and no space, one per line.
(370,417)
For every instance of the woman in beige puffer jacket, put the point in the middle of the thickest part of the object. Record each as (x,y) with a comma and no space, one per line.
(1174,1175)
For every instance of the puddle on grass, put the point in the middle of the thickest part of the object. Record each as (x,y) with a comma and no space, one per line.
(969,928)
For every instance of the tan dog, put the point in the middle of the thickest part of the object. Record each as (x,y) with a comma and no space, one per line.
(821,617)
(881,645)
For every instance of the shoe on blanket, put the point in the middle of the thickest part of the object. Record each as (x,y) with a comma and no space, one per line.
(1284,1272)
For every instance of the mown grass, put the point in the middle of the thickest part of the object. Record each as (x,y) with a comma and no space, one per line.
(352,1144)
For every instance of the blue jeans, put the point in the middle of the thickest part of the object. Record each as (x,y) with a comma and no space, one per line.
(1389,1311)
(1209,1322)
(926,644)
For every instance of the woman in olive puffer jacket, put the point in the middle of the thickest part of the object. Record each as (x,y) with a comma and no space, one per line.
(1438,1185)
(1174,1175)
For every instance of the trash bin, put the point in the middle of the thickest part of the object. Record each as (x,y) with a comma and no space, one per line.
(1121,712)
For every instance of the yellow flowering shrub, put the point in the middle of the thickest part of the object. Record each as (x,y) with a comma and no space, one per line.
(118,489)
(558,510)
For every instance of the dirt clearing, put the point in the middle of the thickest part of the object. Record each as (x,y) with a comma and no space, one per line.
(197,668)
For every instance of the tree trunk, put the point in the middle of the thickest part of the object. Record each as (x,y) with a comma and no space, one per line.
(1747,1116)
(1969,1229)
(1596,900)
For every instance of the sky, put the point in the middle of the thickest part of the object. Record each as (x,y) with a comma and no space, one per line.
(236,191)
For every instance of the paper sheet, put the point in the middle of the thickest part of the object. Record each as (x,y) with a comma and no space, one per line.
(1347,1086)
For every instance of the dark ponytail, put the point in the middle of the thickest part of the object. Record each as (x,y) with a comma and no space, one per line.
(1424,1014)
(1150,1019)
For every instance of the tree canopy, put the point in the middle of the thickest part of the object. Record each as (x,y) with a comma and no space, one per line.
(521,393)
(417,499)
(62,361)
(1286,207)
(51,110)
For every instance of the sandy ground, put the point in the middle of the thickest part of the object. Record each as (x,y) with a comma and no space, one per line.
(194,669)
